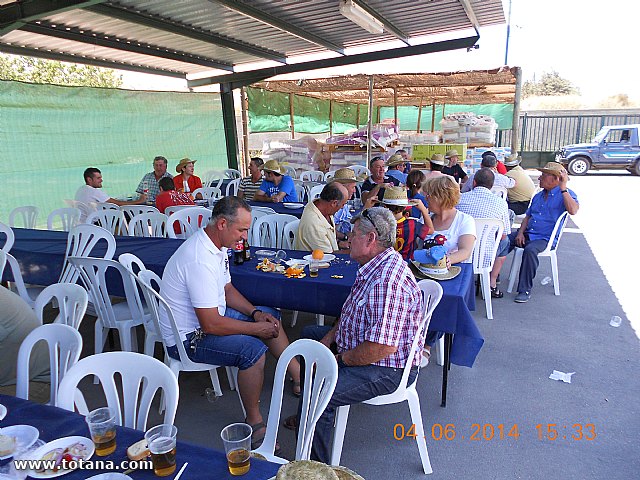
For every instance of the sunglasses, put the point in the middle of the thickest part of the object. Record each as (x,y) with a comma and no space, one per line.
(365,214)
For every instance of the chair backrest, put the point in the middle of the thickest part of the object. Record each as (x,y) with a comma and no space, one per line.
(312,175)
(320,378)
(148,225)
(131,211)
(93,272)
(289,170)
(27,215)
(213,178)
(557,232)
(233,186)
(360,170)
(289,235)
(10,237)
(141,376)
(85,208)
(107,206)
(328,176)
(268,230)
(500,191)
(3,261)
(131,262)
(488,234)
(64,344)
(81,241)
(257,212)
(208,193)
(70,298)
(301,191)
(176,208)
(315,191)
(190,220)
(111,220)
(232,173)
(69,218)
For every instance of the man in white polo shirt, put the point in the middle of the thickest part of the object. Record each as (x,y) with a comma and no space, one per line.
(216,323)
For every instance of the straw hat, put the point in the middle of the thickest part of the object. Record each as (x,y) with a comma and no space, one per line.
(438,159)
(344,175)
(182,164)
(307,469)
(451,153)
(425,266)
(273,166)
(553,168)
(512,160)
(396,196)
(395,160)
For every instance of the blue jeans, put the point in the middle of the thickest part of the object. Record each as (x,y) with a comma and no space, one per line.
(242,351)
(530,260)
(355,385)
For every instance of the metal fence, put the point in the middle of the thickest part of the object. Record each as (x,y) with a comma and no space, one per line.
(546,133)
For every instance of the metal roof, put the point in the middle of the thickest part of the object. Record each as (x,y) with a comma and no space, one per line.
(183,38)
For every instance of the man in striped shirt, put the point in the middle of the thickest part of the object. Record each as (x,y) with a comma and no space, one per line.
(251,184)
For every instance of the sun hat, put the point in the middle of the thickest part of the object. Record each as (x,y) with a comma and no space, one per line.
(395,159)
(451,153)
(512,160)
(273,166)
(432,263)
(182,164)
(396,196)
(438,159)
(344,175)
(553,168)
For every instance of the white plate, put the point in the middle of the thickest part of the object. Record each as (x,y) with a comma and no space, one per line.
(3,411)
(59,443)
(328,257)
(110,476)
(296,261)
(293,205)
(25,436)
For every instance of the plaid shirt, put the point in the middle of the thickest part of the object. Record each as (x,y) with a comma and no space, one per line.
(481,203)
(385,307)
(152,185)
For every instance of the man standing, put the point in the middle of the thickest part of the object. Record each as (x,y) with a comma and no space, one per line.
(499,180)
(454,169)
(92,191)
(536,228)
(316,230)
(251,184)
(481,203)
(519,196)
(395,168)
(216,323)
(150,180)
(276,186)
(373,187)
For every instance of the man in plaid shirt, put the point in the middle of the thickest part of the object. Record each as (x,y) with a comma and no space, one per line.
(378,323)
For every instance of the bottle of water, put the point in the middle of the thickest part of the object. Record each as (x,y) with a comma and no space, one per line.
(545,281)
(185,186)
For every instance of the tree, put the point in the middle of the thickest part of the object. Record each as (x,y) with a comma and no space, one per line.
(551,83)
(36,70)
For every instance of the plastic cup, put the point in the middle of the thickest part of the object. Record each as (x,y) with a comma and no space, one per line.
(161,441)
(237,446)
(615,321)
(314,265)
(102,426)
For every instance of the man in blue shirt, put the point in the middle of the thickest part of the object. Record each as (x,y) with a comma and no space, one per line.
(276,186)
(395,168)
(536,228)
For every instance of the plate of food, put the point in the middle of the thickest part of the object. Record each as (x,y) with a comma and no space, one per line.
(292,205)
(58,452)
(293,262)
(3,411)
(326,258)
(16,439)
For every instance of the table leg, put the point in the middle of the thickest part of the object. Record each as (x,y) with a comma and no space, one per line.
(446,366)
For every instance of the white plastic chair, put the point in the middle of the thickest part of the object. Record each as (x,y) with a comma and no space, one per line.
(68,218)
(123,316)
(315,192)
(550,252)
(312,175)
(500,191)
(320,379)
(232,173)
(107,206)
(64,344)
(432,293)
(109,219)
(70,298)
(149,225)
(3,261)
(146,280)
(190,221)
(213,179)
(289,235)
(268,230)
(289,170)
(86,209)
(142,376)
(232,187)
(257,212)
(27,215)
(176,208)
(360,170)
(208,193)
(488,234)
(131,211)
(10,237)
(301,191)
(328,176)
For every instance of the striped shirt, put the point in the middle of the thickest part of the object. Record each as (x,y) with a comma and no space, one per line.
(152,184)
(249,188)
(384,307)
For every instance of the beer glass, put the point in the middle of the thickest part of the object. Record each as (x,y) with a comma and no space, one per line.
(237,446)
(161,441)
(102,426)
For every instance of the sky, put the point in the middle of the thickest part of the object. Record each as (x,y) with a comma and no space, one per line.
(590,43)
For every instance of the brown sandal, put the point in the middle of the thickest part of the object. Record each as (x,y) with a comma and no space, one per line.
(291,423)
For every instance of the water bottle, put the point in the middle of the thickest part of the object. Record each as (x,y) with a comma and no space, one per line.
(545,281)
(185,186)
(145,188)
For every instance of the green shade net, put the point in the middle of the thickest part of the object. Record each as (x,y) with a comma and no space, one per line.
(50,134)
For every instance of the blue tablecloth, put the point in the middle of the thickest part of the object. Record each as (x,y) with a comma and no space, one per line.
(41,254)
(280,208)
(55,423)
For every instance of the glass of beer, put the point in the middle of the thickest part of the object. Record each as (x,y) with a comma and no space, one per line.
(314,265)
(102,426)
(237,446)
(161,441)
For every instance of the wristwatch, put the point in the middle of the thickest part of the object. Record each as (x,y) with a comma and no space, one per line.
(564,191)
(253,314)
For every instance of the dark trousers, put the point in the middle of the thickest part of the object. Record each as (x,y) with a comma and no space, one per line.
(530,260)
(518,207)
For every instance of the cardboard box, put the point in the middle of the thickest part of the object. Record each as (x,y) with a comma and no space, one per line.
(424,152)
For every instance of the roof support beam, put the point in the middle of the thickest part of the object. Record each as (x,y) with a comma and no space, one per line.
(14,15)
(185,31)
(242,79)
(252,12)
(96,38)
(64,57)
(388,26)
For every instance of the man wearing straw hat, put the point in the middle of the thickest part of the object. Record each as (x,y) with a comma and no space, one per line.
(395,168)
(536,228)
(454,169)
(186,181)
(518,197)
(342,218)
(276,186)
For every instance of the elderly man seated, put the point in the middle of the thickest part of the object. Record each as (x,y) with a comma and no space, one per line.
(217,324)
(317,230)
(499,180)
(276,186)
(518,197)
(149,184)
(377,325)
(395,168)
(373,187)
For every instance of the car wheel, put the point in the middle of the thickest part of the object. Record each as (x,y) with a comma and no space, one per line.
(635,169)
(578,166)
